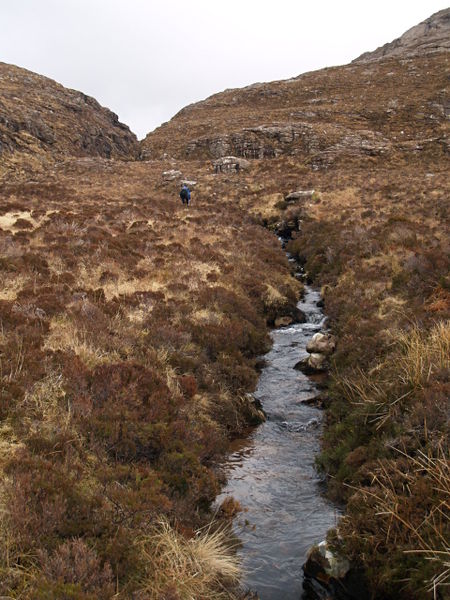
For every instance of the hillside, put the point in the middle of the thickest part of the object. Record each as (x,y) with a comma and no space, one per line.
(41,121)
(131,326)
(384,108)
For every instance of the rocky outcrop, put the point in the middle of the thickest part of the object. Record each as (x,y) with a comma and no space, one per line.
(432,35)
(329,576)
(40,117)
(230,163)
(264,141)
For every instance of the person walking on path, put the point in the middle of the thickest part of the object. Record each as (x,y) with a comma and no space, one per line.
(185,194)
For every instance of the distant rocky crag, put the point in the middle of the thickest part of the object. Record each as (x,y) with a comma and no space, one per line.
(365,109)
(432,35)
(41,119)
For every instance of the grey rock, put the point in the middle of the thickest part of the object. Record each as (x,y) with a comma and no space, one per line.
(171,174)
(312,364)
(299,195)
(230,163)
(330,576)
(321,343)
(432,35)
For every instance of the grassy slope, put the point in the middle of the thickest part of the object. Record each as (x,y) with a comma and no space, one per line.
(380,250)
(129,332)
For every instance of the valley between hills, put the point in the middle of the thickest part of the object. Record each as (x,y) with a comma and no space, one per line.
(132,327)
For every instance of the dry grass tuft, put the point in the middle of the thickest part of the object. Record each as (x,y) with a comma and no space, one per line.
(44,403)
(420,355)
(423,355)
(64,335)
(188,568)
(429,535)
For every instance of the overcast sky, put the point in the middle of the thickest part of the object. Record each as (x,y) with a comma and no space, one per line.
(146,59)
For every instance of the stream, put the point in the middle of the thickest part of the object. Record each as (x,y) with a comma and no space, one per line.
(271,472)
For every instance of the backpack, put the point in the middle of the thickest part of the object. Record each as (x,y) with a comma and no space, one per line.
(184,194)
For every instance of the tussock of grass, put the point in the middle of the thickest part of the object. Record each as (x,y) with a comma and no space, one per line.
(198,567)
(423,354)
(418,357)
(408,500)
(65,335)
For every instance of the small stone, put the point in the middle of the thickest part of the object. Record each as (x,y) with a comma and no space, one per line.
(299,195)
(171,175)
(283,321)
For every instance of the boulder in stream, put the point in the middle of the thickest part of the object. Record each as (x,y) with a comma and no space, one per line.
(321,343)
(314,363)
(330,576)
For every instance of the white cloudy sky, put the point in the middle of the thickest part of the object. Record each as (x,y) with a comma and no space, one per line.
(146,59)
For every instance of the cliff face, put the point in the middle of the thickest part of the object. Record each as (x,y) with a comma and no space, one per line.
(42,120)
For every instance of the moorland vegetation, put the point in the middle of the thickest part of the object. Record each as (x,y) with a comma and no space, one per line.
(131,327)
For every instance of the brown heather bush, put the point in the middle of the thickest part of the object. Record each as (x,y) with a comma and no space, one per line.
(76,567)
(404,515)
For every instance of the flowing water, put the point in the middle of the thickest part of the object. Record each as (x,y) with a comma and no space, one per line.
(271,473)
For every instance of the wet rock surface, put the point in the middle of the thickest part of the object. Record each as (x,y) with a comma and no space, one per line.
(329,576)
(321,343)
(314,363)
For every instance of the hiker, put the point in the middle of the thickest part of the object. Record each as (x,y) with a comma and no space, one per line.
(185,194)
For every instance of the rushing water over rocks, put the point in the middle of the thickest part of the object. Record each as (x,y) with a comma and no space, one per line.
(272,474)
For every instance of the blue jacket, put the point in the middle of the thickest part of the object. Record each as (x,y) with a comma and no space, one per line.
(187,190)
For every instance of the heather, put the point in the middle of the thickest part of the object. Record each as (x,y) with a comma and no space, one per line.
(382,262)
(131,327)
(130,331)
